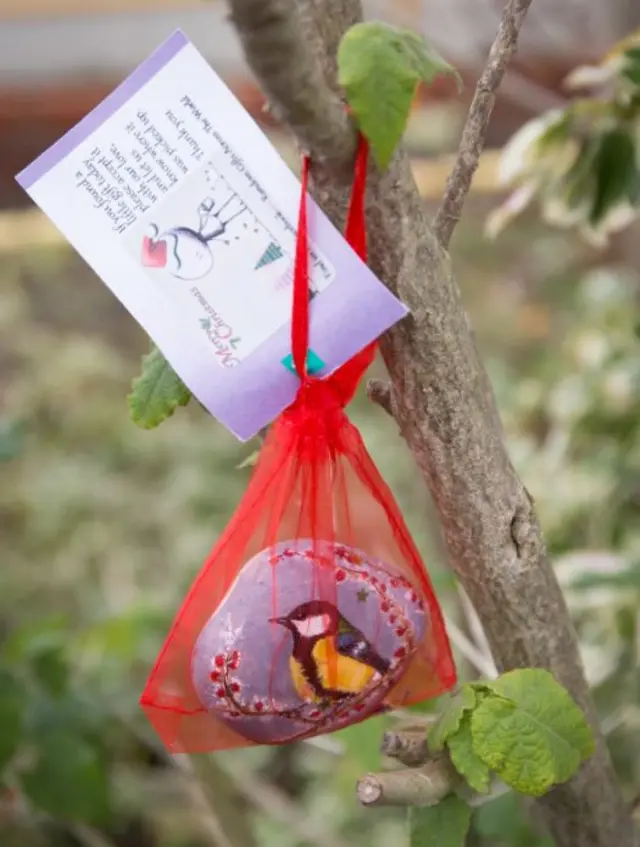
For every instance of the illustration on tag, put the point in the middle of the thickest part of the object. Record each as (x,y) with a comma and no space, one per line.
(185,252)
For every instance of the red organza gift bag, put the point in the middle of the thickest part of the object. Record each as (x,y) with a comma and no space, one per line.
(314,609)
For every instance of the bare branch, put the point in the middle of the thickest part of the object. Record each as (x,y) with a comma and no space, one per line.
(475,129)
(407,746)
(379,392)
(424,786)
(274,42)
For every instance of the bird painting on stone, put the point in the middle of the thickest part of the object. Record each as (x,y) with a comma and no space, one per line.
(330,659)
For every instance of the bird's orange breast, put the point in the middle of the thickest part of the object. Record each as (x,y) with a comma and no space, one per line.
(336,672)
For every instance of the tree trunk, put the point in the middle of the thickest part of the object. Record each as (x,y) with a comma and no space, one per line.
(440,395)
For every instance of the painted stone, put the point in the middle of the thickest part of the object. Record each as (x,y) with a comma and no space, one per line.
(283,659)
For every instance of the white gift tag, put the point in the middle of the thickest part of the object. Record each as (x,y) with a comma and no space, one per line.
(179,202)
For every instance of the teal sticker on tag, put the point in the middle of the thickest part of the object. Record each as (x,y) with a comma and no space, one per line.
(314,363)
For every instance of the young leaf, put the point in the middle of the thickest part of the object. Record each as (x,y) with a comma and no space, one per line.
(379,67)
(249,461)
(157,392)
(532,733)
(444,825)
(449,721)
(13,704)
(466,760)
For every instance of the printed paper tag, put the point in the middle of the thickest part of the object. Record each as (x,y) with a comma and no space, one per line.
(179,202)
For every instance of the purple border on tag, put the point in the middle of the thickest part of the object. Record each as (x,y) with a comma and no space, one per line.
(351,312)
(104,110)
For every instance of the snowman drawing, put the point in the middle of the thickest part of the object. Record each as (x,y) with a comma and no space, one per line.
(185,252)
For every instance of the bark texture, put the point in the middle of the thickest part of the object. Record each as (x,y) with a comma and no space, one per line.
(440,396)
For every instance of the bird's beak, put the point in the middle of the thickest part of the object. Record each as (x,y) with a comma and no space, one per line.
(281,621)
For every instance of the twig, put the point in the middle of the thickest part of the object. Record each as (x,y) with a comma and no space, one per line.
(424,786)
(274,42)
(379,392)
(482,663)
(475,626)
(475,129)
(407,746)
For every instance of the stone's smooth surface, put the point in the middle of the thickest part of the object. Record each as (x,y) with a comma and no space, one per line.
(241,664)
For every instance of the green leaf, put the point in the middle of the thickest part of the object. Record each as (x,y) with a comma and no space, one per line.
(449,721)
(578,185)
(615,171)
(532,734)
(13,703)
(250,461)
(68,779)
(466,760)
(444,825)
(379,67)
(157,392)
(631,69)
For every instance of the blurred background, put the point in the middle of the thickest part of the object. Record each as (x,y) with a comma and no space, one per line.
(103,526)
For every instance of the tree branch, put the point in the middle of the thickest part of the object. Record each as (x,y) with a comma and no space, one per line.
(407,745)
(379,392)
(427,779)
(446,413)
(273,38)
(477,123)
(423,786)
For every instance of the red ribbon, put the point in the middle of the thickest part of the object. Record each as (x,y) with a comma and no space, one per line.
(347,377)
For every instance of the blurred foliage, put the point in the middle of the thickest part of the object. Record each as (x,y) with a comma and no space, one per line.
(582,162)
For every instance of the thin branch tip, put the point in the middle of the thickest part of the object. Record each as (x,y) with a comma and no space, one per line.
(477,123)
(379,392)
(406,746)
